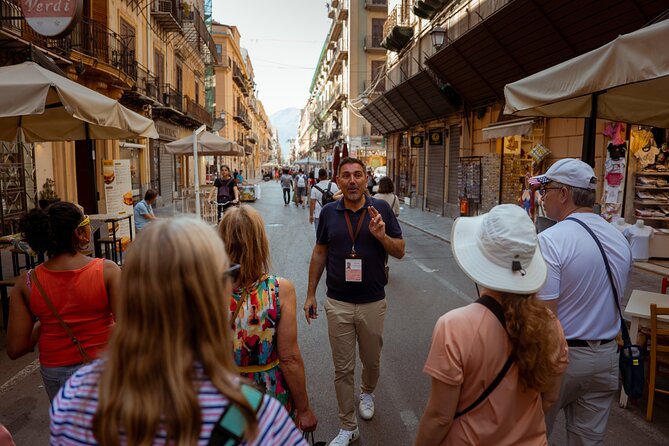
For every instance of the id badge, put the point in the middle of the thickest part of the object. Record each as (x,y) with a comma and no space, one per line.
(353,269)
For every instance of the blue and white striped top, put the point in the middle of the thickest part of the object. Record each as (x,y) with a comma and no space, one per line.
(73,409)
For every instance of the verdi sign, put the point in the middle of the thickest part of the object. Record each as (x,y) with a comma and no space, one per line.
(52,18)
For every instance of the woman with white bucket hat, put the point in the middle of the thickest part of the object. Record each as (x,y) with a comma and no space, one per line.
(496,365)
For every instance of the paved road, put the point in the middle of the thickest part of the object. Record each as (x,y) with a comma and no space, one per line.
(423,286)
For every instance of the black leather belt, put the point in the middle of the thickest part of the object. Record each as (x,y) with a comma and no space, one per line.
(582,343)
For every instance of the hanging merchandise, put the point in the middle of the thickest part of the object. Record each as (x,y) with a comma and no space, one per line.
(639,138)
(614,176)
(538,154)
(615,131)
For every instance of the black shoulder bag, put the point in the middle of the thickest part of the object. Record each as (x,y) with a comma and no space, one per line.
(631,359)
(494,306)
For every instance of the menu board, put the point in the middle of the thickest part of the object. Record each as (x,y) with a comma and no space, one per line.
(118,192)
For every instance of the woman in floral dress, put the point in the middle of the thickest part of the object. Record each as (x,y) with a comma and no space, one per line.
(263,316)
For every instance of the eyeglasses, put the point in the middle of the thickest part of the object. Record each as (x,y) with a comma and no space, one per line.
(85,222)
(232,273)
(543,190)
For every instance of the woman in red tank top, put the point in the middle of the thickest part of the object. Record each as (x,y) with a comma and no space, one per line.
(79,288)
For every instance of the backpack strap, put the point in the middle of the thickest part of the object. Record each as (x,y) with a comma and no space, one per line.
(230,427)
(496,308)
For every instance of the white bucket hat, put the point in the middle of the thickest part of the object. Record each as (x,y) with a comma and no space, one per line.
(500,250)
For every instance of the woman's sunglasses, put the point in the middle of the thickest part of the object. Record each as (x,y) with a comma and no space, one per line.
(232,273)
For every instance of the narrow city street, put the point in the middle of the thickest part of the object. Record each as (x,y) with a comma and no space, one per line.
(423,286)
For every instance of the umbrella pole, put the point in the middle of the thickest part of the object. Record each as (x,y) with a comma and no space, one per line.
(196,167)
(590,133)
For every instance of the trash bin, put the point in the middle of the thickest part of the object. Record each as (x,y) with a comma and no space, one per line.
(464,206)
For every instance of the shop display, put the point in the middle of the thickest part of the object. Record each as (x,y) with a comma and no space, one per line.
(469,182)
(613,191)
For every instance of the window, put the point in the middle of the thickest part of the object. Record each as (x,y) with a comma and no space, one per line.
(159,66)
(219,52)
(377,67)
(179,79)
(377,32)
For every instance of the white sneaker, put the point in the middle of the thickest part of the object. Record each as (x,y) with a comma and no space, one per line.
(366,406)
(344,438)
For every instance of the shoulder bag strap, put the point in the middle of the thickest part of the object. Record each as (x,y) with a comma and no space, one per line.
(394,201)
(67,329)
(230,427)
(496,309)
(626,336)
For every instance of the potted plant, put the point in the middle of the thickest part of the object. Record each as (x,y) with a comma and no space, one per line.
(48,194)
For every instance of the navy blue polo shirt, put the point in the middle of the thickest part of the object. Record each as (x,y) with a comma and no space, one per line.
(333,232)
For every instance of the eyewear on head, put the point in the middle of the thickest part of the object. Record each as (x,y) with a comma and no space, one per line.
(232,273)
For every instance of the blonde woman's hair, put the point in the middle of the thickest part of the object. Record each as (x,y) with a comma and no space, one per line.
(243,232)
(534,337)
(173,312)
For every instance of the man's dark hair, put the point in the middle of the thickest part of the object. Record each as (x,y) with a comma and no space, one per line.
(150,194)
(386,186)
(301,171)
(350,160)
(322,174)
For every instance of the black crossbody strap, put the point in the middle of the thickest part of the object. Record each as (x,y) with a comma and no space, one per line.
(626,335)
(496,309)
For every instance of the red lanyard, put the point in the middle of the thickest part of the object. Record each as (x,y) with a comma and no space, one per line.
(357,229)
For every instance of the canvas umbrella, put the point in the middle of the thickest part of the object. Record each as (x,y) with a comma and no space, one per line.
(204,142)
(344,152)
(39,105)
(335,161)
(625,80)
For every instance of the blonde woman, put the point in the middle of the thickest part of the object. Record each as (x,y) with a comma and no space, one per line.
(168,376)
(264,318)
(506,337)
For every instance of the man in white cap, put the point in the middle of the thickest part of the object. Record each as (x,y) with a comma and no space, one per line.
(579,292)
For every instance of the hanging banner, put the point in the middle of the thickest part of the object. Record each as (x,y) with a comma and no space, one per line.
(436,137)
(417,141)
(118,192)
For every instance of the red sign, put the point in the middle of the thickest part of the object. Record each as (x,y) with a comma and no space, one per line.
(52,18)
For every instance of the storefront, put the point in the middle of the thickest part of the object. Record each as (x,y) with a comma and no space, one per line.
(165,168)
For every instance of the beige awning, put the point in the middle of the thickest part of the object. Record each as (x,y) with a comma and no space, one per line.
(508,128)
(208,144)
(50,107)
(629,75)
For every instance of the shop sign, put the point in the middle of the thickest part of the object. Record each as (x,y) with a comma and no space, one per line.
(166,130)
(52,18)
(417,141)
(436,137)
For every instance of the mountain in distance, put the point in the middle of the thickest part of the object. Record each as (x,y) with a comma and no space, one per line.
(286,122)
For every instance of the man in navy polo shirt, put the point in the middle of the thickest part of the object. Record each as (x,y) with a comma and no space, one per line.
(354,236)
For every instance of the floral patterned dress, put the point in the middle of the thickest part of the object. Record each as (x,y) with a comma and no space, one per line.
(255,340)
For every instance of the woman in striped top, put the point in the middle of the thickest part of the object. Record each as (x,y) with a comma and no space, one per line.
(168,375)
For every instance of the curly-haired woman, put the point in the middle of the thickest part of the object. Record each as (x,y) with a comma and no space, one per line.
(506,335)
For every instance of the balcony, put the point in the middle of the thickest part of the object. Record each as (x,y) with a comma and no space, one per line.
(372,44)
(338,56)
(342,11)
(242,116)
(172,98)
(147,84)
(167,14)
(397,30)
(239,79)
(198,112)
(376,5)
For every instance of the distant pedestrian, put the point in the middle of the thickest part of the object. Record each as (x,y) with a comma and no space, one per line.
(168,376)
(579,292)
(321,194)
(263,307)
(227,192)
(286,186)
(386,192)
(301,184)
(71,296)
(354,236)
(143,211)
(371,182)
(506,335)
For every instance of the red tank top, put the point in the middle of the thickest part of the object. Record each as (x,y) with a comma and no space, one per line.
(81,299)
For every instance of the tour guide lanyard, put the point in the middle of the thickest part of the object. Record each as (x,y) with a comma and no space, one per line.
(357,229)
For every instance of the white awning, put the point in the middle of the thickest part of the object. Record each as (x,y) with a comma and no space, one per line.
(131,145)
(511,128)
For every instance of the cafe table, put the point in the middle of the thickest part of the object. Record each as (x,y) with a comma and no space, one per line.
(114,219)
(638,311)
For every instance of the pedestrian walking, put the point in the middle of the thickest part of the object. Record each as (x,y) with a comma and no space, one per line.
(71,296)
(263,311)
(496,364)
(300,188)
(168,376)
(227,192)
(286,185)
(371,182)
(354,235)
(386,192)
(321,194)
(579,292)
(143,211)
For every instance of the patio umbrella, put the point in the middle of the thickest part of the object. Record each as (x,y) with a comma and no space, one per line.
(344,152)
(335,161)
(208,144)
(625,80)
(39,105)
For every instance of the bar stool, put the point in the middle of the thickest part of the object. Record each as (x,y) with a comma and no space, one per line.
(29,260)
(112,248)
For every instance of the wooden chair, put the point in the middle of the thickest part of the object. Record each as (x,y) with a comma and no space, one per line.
(659,355)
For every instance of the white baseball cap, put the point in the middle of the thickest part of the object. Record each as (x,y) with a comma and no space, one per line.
(570,172)
(500,250)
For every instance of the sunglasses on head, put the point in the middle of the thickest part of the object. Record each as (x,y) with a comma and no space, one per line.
(232,273)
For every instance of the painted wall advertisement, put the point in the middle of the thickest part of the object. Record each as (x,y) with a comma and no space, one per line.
(118,192)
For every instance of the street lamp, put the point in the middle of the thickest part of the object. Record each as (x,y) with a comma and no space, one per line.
(438,35)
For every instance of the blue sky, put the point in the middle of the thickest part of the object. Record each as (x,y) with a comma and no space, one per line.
(284,39)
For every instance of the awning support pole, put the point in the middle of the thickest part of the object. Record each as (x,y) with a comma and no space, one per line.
(590,133)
